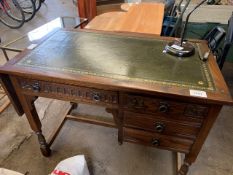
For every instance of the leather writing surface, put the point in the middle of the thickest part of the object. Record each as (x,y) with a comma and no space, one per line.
(118,57)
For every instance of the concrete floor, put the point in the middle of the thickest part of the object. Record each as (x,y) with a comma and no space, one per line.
(19,150)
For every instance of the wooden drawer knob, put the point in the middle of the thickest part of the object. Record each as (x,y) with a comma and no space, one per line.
(36,87)
(159,127)
(155,142)
(163,107)
(96,97)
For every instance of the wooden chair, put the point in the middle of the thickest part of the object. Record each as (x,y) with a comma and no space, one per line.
(227,44)
(214,38)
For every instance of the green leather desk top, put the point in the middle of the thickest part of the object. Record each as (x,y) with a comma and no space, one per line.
(118,57)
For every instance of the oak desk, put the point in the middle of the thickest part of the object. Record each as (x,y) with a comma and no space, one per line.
(149,93)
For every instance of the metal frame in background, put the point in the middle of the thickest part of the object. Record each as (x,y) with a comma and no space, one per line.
(6,47)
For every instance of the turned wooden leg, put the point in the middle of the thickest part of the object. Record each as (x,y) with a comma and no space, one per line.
(197,145)
(34,121)
(44,148)
(184,168)
(29,109)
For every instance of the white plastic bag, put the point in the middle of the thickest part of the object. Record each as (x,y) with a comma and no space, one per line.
(72,166)
(4,171)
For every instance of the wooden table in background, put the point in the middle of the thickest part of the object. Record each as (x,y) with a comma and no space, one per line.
(140,18)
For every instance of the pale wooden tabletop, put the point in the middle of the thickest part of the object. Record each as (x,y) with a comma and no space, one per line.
(140,18)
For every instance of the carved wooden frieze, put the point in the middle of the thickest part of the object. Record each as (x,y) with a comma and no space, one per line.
(196,110)
(76,92)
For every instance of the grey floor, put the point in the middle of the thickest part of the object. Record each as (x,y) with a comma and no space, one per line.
(19,150)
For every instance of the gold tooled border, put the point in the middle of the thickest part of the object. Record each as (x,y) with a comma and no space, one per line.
(205,73)
(121,77)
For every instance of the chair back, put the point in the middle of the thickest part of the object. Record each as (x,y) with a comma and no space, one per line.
(215,37)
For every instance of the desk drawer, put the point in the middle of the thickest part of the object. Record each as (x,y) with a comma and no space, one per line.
(167,108)
(157,140)
(161,125)
(91,95)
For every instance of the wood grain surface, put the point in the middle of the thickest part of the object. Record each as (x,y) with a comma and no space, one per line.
(157,115)
(106,21)
(143,18)
(220,96)
(140,18)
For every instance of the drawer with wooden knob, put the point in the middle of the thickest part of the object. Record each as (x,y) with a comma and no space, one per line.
(79,93)
(157,140)
(161,125)
(165,107)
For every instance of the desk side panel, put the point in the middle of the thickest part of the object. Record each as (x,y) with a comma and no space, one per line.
(11,93)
